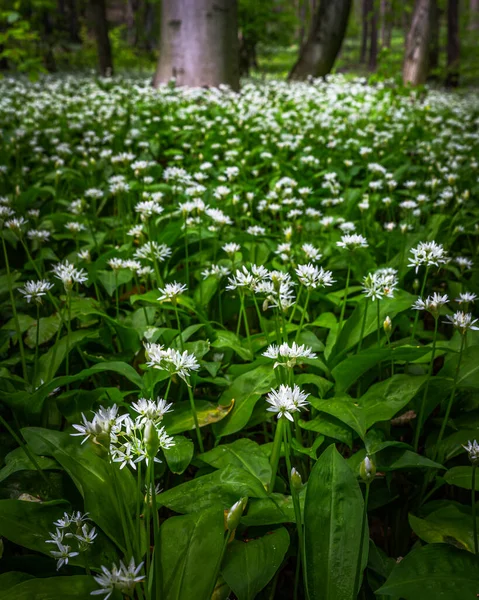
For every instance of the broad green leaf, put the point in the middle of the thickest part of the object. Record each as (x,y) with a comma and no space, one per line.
(17,460)
(73,587)
(9,580)
(101,484)
(393,459)
(449,525)
(380,403)
(48,328)
(190,547)
(179,456)
(249,566)
(469,370)
(275,509)
(432,572)
(245,391)
(205,290)
(333,513)
(228,339)
(222,488)
(322,384)
(243,453)
(330,427)
(111,280)
(350,369)
(461,477)
(181,418)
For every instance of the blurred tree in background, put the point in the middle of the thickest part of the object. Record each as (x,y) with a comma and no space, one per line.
(422,40)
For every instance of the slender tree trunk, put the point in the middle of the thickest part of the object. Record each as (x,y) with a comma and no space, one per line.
(373,48)
(48,56)
(100,25)
(324,41)
(416,60)
(198,43)
(73,24)
(453,46)
(473,15)
(434,41)
(367,6)
(386,23)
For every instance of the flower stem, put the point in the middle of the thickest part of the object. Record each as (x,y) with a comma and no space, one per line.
(363,324)
(473,506)
(178,324)
(37,340)
(451,399)
(426,388)
(195,417)
(14,311)
(345,300)
(416,318)
(276,452)
(305,309)
(117,295)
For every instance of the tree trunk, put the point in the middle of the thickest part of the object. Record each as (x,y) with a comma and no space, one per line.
(386,23)
(373,48)
(367,7)
(198,43)
(100,25)
(324,41)
(453,47)
(473,15)
(73,25)
(434,40)
(415,68)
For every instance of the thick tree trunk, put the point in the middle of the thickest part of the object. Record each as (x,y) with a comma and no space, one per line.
(416,61)
(367,7)
(100,26)
(453,46)
(198,43)
(373,48)
(324,41)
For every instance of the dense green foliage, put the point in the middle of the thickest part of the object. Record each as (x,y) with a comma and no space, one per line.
(252,259)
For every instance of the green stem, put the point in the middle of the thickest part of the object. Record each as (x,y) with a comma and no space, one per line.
(187,269)
(218,564)
(345,300)
(305,308)
(15,316)
(416,318)
(117,295)
(37,340)
(357,582)
(473,506)
(178,324)
(451,399)
(426,388)
(156,535)
(69,328)
(276,452)
(363,324)
(246,325)
(195,417)
(25,448)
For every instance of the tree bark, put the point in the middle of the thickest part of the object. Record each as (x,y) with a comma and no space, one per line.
(324,41)
(367,7)
(416,61)
(473,15)
(453,46)
(100,25)
(373,47)
(434,40)
(386,23)
(198,43)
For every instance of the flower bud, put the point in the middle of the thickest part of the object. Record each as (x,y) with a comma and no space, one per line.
(415,285)
(296,481)
(150,437)
(367,470)
(387,326)
(234,514)
(473,451)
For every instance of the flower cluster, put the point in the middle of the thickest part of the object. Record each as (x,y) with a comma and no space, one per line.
(71,531)
(286,400)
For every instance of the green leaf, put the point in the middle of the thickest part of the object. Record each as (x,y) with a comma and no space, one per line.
(223,487)
(432,572)
(17,460)
(243,453)
(227,339)
(393,459)
(333,513)
(322,384)
(111,281)
(181,418)
(461,477)
(249,566)
(469,370)
(190,547)
(48,328)
(9,580)
(98,482)
(451,524)
(349,370)
(205,290)
(245,391)
(73,587)
(380,403)
(330,427)
(179,456)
